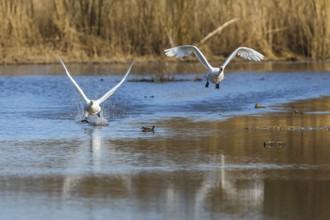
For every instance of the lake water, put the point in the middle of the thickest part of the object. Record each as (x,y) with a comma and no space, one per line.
(205,160)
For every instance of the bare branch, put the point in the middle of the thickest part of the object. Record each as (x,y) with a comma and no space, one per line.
(218,30)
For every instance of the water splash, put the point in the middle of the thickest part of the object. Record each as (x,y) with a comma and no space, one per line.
(93,120)
(98,121)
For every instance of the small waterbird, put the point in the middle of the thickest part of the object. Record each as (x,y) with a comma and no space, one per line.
(215,74)
(147,129)
(92,107)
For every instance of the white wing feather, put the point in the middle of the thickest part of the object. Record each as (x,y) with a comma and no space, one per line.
(110,92)
(246,53)
(80,91)
(186,50)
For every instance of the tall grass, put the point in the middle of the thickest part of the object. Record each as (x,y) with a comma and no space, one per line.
(105,30)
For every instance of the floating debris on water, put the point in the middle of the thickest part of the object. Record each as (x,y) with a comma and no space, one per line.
(287,128)
(273,143)
(259,106)
(149,96)
(296,112)
(276,128)
(157,79)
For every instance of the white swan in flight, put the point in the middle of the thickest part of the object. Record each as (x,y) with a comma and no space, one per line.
(92,107)
(215,74)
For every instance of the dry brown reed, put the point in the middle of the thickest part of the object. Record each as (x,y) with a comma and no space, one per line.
(114,30)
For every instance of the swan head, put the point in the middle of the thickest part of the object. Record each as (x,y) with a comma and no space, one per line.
(93,107)
(93,104)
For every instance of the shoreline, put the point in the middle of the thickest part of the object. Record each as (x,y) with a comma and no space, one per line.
(51,59)
(163,67)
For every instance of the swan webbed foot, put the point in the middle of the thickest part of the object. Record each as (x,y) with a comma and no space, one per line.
(99,115)
(85,120)
(217,86)
(207,84)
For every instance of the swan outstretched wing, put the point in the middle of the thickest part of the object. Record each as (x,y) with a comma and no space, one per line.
(110,92)
(80,91)
(186,50)
(246,53)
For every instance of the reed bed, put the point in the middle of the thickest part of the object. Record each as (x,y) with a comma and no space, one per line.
(118,30)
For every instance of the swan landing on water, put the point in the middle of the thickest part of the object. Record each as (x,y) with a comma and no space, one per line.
(215,74)
(92,107)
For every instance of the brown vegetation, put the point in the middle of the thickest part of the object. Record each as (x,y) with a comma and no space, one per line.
(115,30)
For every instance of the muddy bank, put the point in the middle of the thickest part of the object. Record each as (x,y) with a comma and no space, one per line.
(308,130)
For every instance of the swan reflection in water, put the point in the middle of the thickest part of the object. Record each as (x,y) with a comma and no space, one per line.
(237,189)
(89,161)
(233,191)
(96,164)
